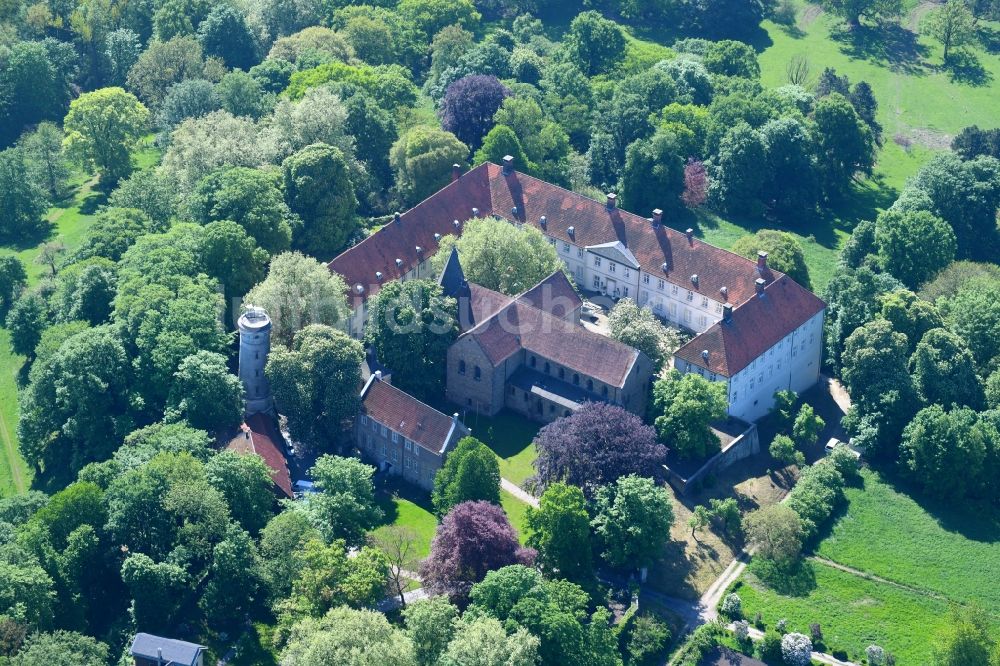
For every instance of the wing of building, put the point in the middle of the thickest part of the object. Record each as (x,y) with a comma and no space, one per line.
(771,338)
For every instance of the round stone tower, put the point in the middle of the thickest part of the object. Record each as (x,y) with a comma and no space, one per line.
(255,343)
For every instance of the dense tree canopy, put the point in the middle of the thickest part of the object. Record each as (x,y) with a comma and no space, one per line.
(470,473)
(596,445)
(683,408)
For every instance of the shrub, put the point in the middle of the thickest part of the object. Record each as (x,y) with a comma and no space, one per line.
(875,655)
(732,605)
(769,648)
(796,649)
(819,490)
(741,628)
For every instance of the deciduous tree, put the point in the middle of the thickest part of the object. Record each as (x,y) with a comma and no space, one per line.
(410,327)
(633,521)
(944,371)
(348,637)
(318,189)
(914,246)
(469,106)
(422,159)
(430,624)
(776,533)
(594,43)
(595,446)
(245,481)
(784,253)
(21,199)
(344,506)
(470,473)
(684,406)
(639,328)
(559,529)
(951,24)
(102,128)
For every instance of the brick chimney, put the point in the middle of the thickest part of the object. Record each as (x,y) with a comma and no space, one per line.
(727,313)
(612,200)
(508,165)
(657,217)
(689,232)
(456,171)
(761,261)
(759,282)
(378,375)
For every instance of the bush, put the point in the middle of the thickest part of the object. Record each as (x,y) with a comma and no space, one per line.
(741,628)
(769,648)
(796,649)
(819,490)
(732,605)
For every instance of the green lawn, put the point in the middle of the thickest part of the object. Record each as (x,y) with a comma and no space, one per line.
(510,436)
(15,476)
(413,514)
(853,613)
(952,552)
(917,97)
(516,512)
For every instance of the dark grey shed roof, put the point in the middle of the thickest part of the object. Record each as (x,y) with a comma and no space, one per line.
(170,650)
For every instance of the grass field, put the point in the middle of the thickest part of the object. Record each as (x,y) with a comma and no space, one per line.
(945,549)
(69,226)
(854,613)
(516,512)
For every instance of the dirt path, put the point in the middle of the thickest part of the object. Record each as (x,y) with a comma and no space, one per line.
(822,657)
(876,579)
(918,13)
(517,492)
(811,13)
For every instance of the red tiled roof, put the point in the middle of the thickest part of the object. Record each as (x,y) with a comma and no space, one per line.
(595,224)
(555,294)
(520,325)
(756,326)
(406,415)
(416,227)
(258,435)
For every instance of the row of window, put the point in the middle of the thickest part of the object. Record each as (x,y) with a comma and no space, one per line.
(477,373)
(393,457)
(561,373)
(378,427)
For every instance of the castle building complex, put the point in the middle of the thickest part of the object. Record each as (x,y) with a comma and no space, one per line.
(755,328)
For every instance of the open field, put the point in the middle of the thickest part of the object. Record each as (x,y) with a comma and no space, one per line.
(516,513)
(853,613)
(951,552)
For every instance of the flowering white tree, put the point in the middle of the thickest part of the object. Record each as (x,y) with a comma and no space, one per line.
(741,628)
(732,605)
(796,649)
(781,625)
(876,655)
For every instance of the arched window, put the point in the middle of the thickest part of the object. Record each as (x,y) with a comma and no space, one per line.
(461,367)
(604,391)
(562,373)
(576,379)
(532,361)
(547,367)
(477,374)
(590,384)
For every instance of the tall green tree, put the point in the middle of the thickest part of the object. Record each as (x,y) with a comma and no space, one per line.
(430,624)
(233,580)
(594,44)
(314,383)
(58,647)
(654,174)
(784,253)
(158,590)
(914,246)
(952,24)
(410,326)
(250,197)
(633,521)
(344,506)
(559,529)
(422,159)
(943,452)
(22,199)
(318,189)
(944,371)
(683,406)
(738,179)
(470,472)
(103,128)
(44,151)
(845,144)
(27,319)
(297,292)
(205,393)
(639,328)
(13,279)
(500,256)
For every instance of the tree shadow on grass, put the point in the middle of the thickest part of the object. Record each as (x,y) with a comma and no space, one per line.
(863,202)
(965,67)
(94,200)
(989,37)
(976,522)
(891,45)
(28,240)
(794,580)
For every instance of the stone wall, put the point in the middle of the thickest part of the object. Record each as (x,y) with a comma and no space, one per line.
(744,446)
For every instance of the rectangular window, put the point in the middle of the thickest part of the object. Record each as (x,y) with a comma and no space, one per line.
(597,282)
(718,308)
(579,251)
(611,266)
(374,426)
(687,316)
(409,445)
(673,289)
(702,321)
(395,437)
(364,420)
(597,261)
(416,450)
(385,431)
(645,278)
(704,301)
(690,295)
(660,284)
(628,273)
(625,291)
(383,450)
(735,393)
(566,247)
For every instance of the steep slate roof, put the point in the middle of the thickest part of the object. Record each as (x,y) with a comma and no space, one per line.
(169,650)
(258,435)
(756,326)
(403,413)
